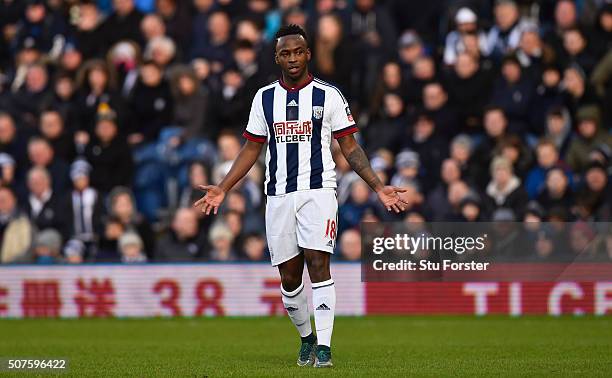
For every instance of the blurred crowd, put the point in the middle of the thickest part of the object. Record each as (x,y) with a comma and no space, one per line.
(112,112)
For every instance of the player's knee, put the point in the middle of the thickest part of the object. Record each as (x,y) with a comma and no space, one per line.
(318,269)
(290,281)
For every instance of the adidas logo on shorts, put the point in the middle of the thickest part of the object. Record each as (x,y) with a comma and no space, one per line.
(323,306)
(291,309)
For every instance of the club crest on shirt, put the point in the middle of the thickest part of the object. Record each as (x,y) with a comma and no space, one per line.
(317,112)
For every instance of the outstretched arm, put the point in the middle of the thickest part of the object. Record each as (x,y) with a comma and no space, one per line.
(215,194)
(358,160)
(242,165)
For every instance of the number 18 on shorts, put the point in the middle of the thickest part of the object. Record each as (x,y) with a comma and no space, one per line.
(306,218)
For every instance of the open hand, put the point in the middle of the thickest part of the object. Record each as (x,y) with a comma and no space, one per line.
(212,199)
(389,196)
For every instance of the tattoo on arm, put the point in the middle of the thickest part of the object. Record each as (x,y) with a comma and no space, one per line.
(360,164)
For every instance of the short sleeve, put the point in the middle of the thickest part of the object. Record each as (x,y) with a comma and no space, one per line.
(257,128)
(342,122)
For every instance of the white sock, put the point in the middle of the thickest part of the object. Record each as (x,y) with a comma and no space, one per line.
(296,305)
(324,303)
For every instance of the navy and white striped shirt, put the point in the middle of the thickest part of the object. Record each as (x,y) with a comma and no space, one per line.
(298,124)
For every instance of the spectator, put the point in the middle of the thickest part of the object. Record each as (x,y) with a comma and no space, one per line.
(7,169)
(125,57)
(407,165)
(461,151)
(466,21)
(199,174)
(122,205)
(12,140)
(47,247)
(513,93)
(532,53)
(229,104)
(162,51)
(44,27)
(373,32)
(122,23)
(557,193)
(176,16)
(437,199)
(471,209)
(109,155)
(578,92)
(548,94)
(505,35)
(410,48)
(332,53)
(41,155)
(53,129)
(386,130)
(590,135)
(469,86)
(74,252)
(199,35)
(131,248)
(108,245)
(29,100)
(437,105)
(190,102)
(151,103)
(64,100)
(89,33)
(83,205)
(594,200)
(184,241)
(558,128)
(602,34)
(221,239)
(577,51)
(254,247)
(97,93)
(217,48)
(457,192)
(547,156)
(565,17)
(423,72)
(431,148)
(350,245)
(496,128)
(505,190)
(152,26)
(245,57)
(44,206)
(352,212)
(16,230)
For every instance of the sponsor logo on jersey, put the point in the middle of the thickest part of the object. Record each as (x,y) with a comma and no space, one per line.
(292,131)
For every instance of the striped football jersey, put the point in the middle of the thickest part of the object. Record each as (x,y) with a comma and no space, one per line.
(298,124)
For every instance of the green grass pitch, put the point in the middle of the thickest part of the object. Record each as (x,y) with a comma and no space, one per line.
(368,346)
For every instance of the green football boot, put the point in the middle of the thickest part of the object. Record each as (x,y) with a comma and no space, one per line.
(323,357)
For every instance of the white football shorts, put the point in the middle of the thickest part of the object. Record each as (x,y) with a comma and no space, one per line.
(301,219)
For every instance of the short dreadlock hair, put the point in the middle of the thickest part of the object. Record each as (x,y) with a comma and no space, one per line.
(291,29)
